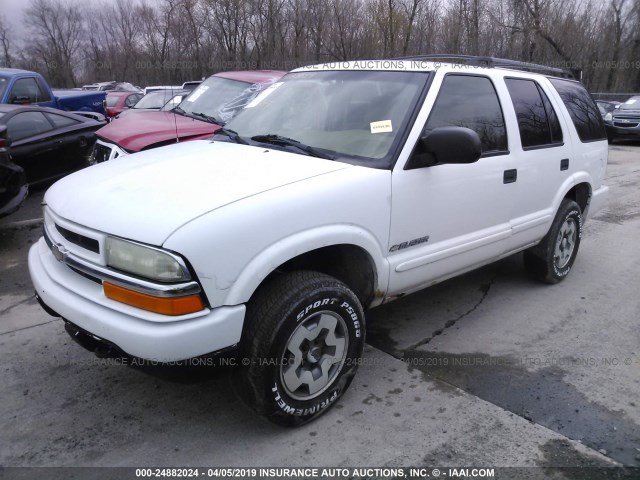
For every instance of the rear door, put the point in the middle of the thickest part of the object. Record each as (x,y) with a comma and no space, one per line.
(541,147)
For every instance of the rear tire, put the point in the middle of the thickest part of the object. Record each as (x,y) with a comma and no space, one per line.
(551,260)
(300,348)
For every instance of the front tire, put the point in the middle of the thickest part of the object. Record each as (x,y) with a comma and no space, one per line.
(301,346)
(551,260)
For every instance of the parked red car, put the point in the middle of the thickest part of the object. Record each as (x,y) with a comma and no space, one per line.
(117,102)
(199,115)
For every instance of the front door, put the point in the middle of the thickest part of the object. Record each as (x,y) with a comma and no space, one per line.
(450,218)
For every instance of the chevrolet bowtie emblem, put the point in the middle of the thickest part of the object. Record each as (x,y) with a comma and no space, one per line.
(59,252)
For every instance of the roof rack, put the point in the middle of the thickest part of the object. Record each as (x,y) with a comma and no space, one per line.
(491,62)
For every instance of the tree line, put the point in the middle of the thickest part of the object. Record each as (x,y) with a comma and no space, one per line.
(171,41)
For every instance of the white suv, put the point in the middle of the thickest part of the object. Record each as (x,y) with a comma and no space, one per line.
(339,188)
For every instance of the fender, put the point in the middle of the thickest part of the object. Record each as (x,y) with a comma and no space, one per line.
(284,250)
(569,183)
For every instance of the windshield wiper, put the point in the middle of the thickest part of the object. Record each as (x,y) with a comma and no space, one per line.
(233,135)
(179,111)
(290,142)
(208,118)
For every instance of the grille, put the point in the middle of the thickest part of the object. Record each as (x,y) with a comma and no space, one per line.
(626,125)
(80,240)
(101,153)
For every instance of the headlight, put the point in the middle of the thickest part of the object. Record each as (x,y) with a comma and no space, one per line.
(145,262)
(608,117)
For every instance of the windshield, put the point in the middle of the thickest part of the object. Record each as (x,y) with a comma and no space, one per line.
(171,104)
(154,99)
(631,104)
(112,100)
(353,116)
(219,98)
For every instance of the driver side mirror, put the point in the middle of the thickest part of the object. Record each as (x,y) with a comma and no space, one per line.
(446,145)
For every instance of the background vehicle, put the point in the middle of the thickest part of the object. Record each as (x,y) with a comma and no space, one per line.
(13,182)
(337,190)
(624,122)
(21,87)
(155,100)
(113,86)
(118,101)
(48,143)
(198,116)
(155,88)
(606,106)
(174,102)
(191,86)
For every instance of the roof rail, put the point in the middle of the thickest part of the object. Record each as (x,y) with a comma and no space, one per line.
(491,62)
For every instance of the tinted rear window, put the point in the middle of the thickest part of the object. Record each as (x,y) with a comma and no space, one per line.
(537,120)
(60,121)
(582,109)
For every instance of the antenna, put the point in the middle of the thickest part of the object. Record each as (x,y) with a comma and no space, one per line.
(175,120)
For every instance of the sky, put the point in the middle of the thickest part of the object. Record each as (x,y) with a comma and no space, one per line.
(13,12)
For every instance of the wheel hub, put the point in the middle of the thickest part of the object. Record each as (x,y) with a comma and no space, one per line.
(566,243)
(314,355)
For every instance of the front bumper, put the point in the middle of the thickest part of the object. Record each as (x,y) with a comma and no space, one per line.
(10,205)
(138,333)
(13,186)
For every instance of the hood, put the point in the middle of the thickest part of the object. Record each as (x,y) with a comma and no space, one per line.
(627,113)
(148,195)
(137,132)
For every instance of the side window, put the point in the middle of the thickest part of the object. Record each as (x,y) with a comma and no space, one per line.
(27,124)
(582,109)
(27,90)
(554,122)
(537,120)
(131,100)
(44,93)
(470,101)
(112,100)
(61,121)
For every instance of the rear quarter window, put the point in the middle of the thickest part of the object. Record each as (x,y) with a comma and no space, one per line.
(60,121)
(583,110)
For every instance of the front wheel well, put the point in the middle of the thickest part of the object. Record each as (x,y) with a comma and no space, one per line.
(581,194)
(350,264)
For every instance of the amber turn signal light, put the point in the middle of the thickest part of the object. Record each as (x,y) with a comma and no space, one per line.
(163,305)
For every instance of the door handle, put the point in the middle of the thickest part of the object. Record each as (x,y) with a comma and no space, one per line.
(510,176)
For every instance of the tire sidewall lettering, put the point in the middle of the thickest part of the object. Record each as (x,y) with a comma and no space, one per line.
(313,409)
(342,306)
(577,216)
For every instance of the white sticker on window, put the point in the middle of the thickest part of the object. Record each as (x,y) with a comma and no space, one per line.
(263,95)
(197,93)
(383,126)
